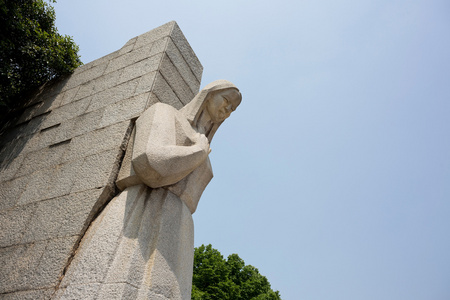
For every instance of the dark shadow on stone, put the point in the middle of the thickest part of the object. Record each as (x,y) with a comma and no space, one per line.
(21,124)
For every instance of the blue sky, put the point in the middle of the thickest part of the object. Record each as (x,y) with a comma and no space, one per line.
(333,176)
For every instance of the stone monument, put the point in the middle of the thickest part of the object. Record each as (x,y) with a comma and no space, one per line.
(67,231)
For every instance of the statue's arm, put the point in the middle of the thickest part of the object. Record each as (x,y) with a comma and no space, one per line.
(157,159)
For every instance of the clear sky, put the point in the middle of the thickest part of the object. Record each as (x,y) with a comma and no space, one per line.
(333,176)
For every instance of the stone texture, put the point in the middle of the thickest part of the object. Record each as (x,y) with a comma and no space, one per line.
(112,95)
(141,68)
(13,224)
(176,82)
(183,68)
(60,158)
(60,217)
(187,52)
(34,266)
(10,191)
(41,294)
(164,92)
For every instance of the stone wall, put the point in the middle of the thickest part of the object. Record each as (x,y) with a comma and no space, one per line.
(59,161)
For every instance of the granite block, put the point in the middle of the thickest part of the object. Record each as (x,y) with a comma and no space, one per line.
(175,80)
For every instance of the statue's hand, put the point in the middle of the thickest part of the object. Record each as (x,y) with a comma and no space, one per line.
(203,143)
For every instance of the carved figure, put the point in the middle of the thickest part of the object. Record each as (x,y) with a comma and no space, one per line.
(142,245)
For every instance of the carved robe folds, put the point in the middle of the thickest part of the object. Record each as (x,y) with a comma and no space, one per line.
(142,244)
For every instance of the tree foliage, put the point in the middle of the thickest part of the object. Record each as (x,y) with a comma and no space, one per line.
(32,51)
(217,278)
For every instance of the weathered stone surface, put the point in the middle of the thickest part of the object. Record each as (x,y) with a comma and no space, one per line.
(100,84)
(87,144)
(153,35)
(137,55)
(145,83)
(59,161)
(183,68)
(141,68)
(41,294)
(10,191)
(86,75)
(96,171)
(60,217)
(144,237)
(66,112)
(9,168)
(42,159)
(112,95)
(164,92)
(34,266)
(126,109)
(176,82)
(13,224)
(188,54)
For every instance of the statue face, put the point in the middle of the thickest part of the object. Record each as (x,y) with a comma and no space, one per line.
(222,103)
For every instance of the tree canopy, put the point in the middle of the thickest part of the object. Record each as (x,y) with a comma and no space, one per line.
(217,278)
(32,51)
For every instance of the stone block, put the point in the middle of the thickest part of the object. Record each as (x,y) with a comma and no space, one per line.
(63,177)
(87,122)
(38,185)
(85,75)
(9,168)
(126,109)
(97,85)
(152,99)
(164,92)
(160,45)
(43,294)
(183,68)
(50,136)
(69,95)
(92,267)
(141,68)
(99,61)
(60,217)
(21,130)
(112,95)
(34,266)
(87,144)
(49,91)
(183,45)
(136,55)
(13,224)
(18,263)
(125,49)
(41,107)
(51,263)
(145,83)
(97,171)
(176,82)
(10,191)
(66,112)
(42,159)
(130,42)
(153,35)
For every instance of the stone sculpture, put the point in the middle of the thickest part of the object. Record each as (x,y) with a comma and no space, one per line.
(141,245)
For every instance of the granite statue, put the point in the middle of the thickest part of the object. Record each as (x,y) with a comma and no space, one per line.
(142,244)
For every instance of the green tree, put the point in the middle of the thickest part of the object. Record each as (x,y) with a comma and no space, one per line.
(217,278)
(32,51)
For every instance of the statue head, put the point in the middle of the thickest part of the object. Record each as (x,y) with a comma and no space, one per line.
(219,99)
(221,103)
